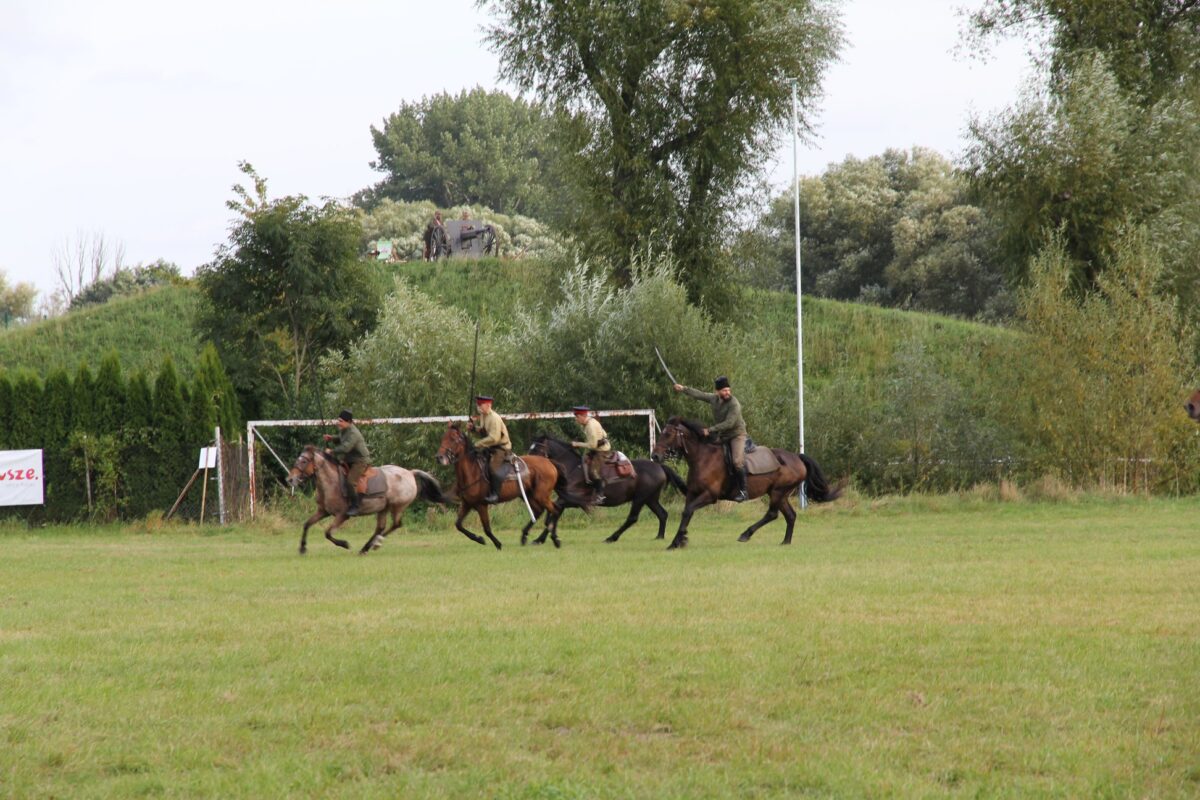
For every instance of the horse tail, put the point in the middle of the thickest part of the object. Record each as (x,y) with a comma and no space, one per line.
(679,483)
(429,489)
(816,488)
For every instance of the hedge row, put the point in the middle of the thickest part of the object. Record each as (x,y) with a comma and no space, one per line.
(113,445)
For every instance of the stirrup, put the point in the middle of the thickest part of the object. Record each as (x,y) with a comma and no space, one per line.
(352,510)
(492,499)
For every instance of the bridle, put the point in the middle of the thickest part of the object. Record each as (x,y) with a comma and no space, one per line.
(676,434)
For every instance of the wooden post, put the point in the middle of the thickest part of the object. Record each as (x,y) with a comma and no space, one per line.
(203,495)
(179,499)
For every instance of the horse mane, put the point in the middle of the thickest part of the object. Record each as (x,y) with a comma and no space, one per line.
(692,425)
(553,440)
(470,446)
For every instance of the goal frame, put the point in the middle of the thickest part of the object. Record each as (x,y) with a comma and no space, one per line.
(252,434)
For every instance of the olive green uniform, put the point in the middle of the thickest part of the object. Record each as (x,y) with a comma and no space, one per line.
(351,450)
(595,441)
(728,425)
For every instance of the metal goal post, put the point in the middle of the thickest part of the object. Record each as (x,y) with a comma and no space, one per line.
(253,435)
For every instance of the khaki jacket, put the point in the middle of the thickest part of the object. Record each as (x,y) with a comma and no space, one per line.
(594,437)
(494,432)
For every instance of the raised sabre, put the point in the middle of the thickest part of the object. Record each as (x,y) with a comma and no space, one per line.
(664,365)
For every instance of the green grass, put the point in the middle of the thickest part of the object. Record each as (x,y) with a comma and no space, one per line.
(912,648)
(143,329)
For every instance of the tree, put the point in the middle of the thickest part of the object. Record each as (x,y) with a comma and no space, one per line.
(16,302)
(127,280)
(1150,45)
(64,490)
(109,397)
(677,104)
(286,288)
(477,148)
(1089,163)
(172,451)
(82,260)
(214,385)
(895,229)
(137,453)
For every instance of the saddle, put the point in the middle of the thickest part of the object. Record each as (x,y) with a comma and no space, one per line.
(759,460)
(616,466)
(373,482)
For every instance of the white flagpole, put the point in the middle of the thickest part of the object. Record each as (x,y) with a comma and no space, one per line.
(799,308)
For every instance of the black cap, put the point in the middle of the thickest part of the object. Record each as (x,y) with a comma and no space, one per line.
(482,398)
(722,382)
(346,416)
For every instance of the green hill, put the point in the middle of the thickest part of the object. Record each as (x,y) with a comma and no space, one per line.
(142,328)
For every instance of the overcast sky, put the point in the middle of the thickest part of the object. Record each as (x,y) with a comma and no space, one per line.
(127,118)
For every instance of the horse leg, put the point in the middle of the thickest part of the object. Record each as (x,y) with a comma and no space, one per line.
(771,514)
(338,521)
(789,516)
(660,512)
(373,542)
(689,508)
(462,512)
(552,510)
(320,515)
(634,512)
(484,517)
(525,532)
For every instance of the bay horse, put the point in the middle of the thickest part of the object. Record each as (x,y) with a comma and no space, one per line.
(403,487)
(642,491)
(709,480)
(1192,406)
(538,476)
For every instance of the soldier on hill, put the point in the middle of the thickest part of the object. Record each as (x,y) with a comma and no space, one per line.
(352,451)
(494,439)
(595,444)
(728,426)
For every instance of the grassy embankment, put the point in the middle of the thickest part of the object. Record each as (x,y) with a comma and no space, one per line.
(143,329)
(902,648)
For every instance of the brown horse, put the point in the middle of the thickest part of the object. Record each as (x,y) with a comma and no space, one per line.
(403,487)
(538,476)
(709,480)
(1192,406)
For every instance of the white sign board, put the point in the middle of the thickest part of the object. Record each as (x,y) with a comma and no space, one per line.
(21,478)
(208,458)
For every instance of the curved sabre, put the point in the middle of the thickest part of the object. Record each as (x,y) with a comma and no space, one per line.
(664,365)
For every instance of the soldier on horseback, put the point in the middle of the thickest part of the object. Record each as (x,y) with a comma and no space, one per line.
(728,426)
(350,450)
(494,433)
(595,445)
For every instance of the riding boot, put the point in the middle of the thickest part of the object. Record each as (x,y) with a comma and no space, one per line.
(598,491)
(494,497)
(352,499)
(741,494)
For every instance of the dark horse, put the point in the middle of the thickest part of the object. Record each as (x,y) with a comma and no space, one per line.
(538,476)
(1192,406)
(403,487)
(642,490)
(709,480)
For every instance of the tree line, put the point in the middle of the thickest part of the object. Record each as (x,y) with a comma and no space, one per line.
(115,445)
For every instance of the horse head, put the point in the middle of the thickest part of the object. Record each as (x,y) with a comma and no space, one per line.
(549,447)
(454,444)
(1192,406)
(304,467)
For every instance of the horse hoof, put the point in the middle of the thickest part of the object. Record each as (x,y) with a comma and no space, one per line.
(303,550)
(538,541)
(557,544)
(498,545)
(610,540)
(745,537)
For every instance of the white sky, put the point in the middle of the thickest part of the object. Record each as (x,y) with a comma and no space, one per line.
(127,117)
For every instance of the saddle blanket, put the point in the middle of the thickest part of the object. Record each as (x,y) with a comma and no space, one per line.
(372,482)
(761,461)
(616,467)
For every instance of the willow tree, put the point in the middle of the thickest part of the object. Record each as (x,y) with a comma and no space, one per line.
(678,103)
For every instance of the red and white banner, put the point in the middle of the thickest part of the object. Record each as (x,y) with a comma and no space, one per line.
(21,478)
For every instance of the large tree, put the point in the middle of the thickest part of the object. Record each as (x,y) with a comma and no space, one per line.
(679,103)
(895,229)
(1150,45)
(476,148)
(286,288)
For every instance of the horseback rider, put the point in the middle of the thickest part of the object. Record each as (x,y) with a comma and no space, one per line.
(495,439)
(595,444)
(728,426)
(352,451)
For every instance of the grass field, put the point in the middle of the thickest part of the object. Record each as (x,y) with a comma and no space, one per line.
(911,648)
